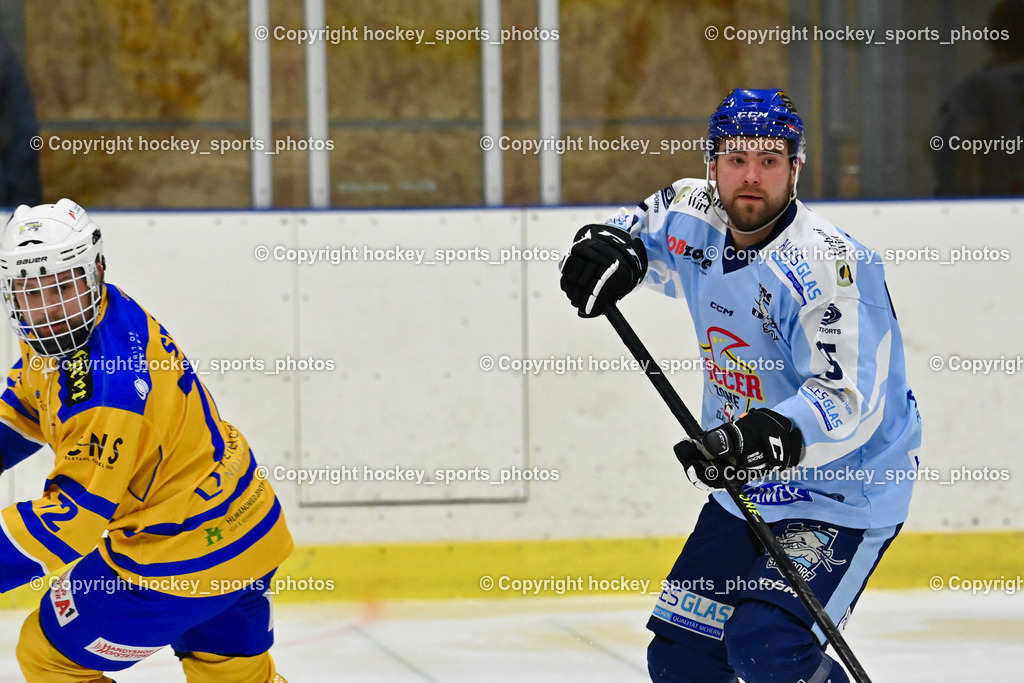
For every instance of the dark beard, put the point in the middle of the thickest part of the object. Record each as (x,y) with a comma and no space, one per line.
(758,220)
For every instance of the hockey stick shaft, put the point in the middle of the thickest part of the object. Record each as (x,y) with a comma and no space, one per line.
(746,506)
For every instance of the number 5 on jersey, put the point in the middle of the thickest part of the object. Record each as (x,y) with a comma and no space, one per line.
(835,372)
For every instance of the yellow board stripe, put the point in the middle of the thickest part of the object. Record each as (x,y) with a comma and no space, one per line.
(501,569)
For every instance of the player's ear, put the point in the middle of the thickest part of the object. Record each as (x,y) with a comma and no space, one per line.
(713,169)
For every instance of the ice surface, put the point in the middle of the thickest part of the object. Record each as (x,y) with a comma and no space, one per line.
(898,636)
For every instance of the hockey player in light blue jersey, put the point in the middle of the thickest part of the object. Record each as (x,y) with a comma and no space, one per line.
(806,401)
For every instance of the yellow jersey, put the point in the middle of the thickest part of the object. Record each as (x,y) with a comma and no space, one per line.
(145,467)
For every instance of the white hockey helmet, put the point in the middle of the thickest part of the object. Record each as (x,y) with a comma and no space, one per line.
(49,280)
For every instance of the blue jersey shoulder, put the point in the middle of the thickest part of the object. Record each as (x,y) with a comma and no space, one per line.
(112,369)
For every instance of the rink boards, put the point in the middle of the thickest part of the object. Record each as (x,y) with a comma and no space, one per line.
(422,393)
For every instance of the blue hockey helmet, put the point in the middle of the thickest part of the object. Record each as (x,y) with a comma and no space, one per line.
(760,113)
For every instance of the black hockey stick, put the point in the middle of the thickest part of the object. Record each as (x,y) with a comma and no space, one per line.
(750,513)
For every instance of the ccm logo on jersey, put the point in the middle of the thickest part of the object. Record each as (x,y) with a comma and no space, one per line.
(721,309)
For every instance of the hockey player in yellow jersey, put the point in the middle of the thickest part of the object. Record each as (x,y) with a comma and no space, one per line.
(160,497)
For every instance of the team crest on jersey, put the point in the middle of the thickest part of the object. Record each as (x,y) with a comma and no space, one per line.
(809,548)
(726,371)
(760,311)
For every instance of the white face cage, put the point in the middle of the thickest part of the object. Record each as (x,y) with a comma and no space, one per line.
(56,313)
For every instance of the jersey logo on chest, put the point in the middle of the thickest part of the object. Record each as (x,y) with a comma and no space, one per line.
(760,311)
(728,371)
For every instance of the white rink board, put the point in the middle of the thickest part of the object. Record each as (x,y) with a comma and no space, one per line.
(408,336)
(606,433)
(227,311)
(604,426)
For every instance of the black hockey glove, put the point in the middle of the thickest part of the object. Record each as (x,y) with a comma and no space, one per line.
(758,443)
(603,265)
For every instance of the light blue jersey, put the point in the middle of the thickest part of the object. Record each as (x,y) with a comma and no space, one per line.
(801,324)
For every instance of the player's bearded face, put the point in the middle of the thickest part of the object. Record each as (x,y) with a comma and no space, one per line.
(59,310)
(755,180)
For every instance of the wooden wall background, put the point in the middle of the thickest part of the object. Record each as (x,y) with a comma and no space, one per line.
(405,118)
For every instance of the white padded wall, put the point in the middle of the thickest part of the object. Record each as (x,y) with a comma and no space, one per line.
(601,423)
(409,313)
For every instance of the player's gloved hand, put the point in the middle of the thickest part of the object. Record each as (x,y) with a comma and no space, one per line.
(699,470)
(759,442)
(604,264)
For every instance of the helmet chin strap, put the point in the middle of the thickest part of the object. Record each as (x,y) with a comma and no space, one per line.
(725,218)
